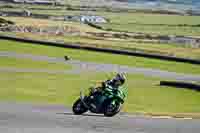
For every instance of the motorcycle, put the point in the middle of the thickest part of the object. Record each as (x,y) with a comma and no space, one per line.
(107,102)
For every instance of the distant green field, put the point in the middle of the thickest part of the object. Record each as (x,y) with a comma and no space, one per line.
(154,23)
(155,29)
(99,57)
(44,23)
(127,17)
(148,18)
(138,22)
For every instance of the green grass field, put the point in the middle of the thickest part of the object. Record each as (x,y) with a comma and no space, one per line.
(153,23)
(157,30)
(145,94)
(99,57)
(30,64)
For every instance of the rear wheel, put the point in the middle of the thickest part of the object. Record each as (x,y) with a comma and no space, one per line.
(78,107)
(111,109)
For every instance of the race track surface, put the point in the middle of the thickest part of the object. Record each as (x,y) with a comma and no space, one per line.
(79,66)
(25,118)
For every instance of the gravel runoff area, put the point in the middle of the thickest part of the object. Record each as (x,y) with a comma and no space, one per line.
(80,66)
(26,118)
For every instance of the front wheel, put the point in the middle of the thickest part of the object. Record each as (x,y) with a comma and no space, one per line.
(78,107)
(111,109)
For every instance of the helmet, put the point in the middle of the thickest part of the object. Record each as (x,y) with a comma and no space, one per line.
(120,79)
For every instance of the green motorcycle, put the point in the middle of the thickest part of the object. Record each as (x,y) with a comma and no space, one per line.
(107,101)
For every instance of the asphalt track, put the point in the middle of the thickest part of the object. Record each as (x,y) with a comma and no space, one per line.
(79,66)
(25,118)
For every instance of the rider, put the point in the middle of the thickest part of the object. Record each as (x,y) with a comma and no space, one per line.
(114,83)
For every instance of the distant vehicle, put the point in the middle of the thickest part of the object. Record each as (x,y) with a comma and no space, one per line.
(86,18)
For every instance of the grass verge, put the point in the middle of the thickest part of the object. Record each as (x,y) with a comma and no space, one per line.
(30,64)
(99,57)
(145,94)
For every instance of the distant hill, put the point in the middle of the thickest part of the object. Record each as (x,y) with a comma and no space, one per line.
(170,5)
(191,2)
(165,4)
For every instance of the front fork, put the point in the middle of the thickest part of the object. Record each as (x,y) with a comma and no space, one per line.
(82,97)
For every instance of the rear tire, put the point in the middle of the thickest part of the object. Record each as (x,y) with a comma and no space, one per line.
(78,107)
(110,109)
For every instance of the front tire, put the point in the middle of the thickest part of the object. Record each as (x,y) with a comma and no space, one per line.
(78,107)
(110,109)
